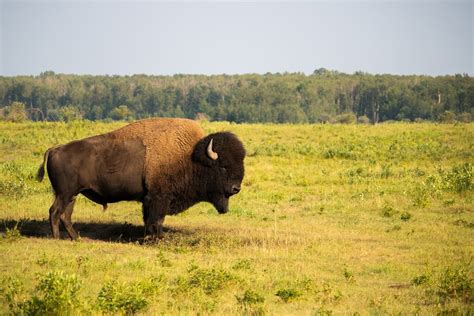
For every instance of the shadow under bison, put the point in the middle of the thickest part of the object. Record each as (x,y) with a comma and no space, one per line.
(115,232)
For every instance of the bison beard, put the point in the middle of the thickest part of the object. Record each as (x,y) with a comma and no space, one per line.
(167,164)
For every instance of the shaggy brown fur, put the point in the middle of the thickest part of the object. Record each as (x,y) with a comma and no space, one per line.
(169,144)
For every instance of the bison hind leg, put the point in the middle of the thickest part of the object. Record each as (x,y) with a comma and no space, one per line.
(54,217)
(56,212)
(66,220)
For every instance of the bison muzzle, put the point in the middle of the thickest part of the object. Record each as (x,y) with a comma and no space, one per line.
(166,164)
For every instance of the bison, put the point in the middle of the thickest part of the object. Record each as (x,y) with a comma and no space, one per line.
(166,164)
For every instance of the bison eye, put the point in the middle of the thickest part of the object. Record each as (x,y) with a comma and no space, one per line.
(224,170)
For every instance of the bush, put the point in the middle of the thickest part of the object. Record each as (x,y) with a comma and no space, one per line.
(464,117)
(251,302)
(13,233)
(386,172)
(324,118)
(459,179)
(11,291)
(16,188)
(405,216)
(363,119)
(69,113)
(345,118)
(348,275)
(420,280)
(243,264)
(56,294)
(15,112)
(388,211)
(250,297)
(288,295)
(447,117)
(455,283)
(345,153)
(421,196)
(209,280)
(452,283)
(114,297)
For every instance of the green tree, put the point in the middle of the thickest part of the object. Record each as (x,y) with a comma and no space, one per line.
(121,113)
(287,97)
(291,113)
(69,113)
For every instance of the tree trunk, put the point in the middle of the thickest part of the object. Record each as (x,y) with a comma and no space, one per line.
(375,114)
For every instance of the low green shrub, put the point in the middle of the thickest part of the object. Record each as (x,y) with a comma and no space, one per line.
(388,211)
(420,279)
(209,280)
(457,180)
(116,297)
(345,118)
(405,216)
(11,291)
(16,188)
(12,233)
(55,294)
(251,302)
(128,298)
(250,297)
(455,283)
(348,275)
(288,294)
(242,264)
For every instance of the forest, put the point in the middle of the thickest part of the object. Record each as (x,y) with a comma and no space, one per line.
(323,96)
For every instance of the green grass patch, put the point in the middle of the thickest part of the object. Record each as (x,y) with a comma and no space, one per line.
(339,219)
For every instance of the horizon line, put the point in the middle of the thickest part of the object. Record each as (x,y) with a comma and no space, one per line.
(328,72)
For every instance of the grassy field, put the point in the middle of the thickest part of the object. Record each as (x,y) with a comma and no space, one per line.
(331,219)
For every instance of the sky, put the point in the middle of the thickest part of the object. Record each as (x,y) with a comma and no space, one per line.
(165,38)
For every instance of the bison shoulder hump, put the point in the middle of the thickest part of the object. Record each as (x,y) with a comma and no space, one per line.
(169,143)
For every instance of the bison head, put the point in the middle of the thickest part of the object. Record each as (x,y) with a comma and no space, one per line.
(220,157)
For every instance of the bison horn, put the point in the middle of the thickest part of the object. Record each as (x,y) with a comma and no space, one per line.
(210,152)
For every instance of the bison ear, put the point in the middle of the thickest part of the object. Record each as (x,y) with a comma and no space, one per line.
(204,152)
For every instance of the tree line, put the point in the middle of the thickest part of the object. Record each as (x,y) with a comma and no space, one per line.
(323,96)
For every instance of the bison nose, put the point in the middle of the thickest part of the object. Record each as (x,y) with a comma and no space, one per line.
(235,189)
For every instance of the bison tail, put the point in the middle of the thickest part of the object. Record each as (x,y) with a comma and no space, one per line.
(40,174)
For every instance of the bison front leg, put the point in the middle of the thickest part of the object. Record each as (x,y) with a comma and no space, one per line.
(154,212)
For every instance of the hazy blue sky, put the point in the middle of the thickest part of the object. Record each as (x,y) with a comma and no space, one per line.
(105,37)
